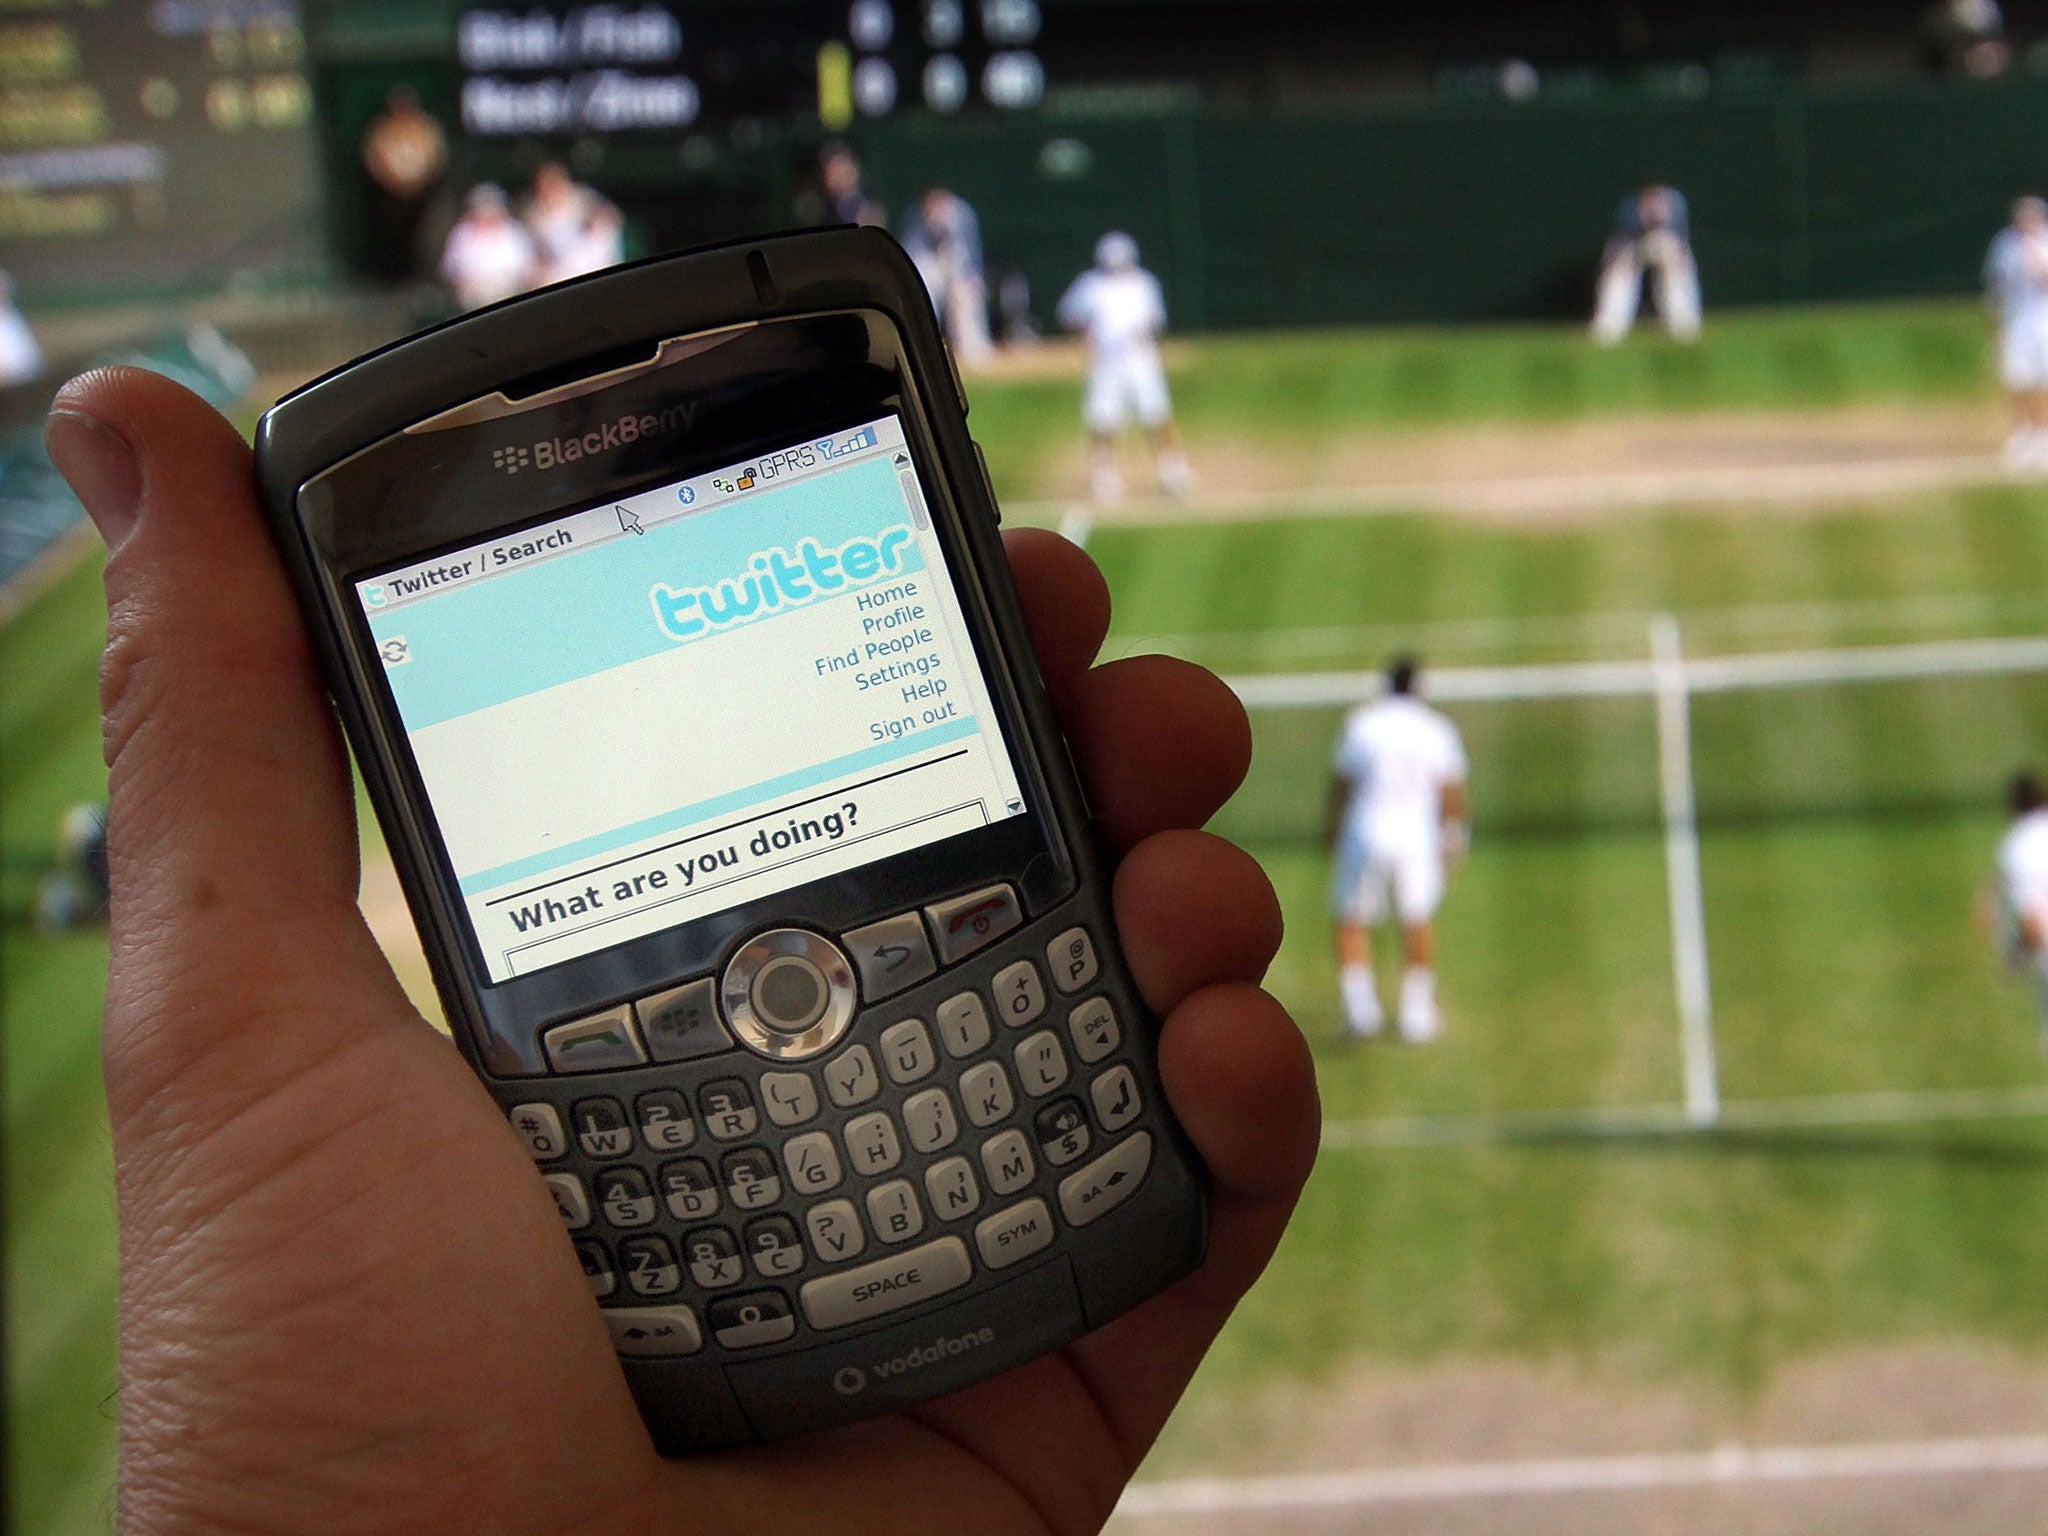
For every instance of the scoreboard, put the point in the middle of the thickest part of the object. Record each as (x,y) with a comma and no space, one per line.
(159,144)
(613,68)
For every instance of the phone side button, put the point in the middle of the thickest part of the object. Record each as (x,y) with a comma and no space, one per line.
(887,1285)
(988,483)
(653,1331)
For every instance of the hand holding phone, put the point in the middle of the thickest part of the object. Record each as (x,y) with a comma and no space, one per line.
(667,618)
(313,1324)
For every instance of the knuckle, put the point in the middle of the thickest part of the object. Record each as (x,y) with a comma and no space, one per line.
(132,675)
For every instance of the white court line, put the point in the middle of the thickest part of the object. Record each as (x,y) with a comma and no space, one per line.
(1532,495)
(1629,679)
(1623,626)
(1820,1112)
(1683,880)
(1725,1466)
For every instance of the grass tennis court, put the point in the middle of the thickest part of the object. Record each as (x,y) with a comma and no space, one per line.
(1844,831)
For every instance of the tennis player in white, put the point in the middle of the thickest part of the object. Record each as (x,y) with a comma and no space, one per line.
(2016,287)
(2023,889)
(1400,793)
(1122,309)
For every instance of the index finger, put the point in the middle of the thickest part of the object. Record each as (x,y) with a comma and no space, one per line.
(1066,603)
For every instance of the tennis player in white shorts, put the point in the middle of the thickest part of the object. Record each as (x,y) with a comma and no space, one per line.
(2016,288)
(1121,309)
(1400,791)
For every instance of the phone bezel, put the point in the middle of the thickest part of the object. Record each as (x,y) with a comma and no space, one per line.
(1035,851)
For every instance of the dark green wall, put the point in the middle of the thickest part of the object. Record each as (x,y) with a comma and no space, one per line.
(1410,213)
(1491,211)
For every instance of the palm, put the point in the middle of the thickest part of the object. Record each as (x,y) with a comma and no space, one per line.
(347,1302)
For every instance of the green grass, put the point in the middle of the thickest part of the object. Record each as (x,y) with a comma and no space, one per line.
(1714,1264)
(1845,832)
(59,1180)
(1298,390)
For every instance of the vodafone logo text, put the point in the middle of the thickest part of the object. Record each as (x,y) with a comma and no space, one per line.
(852,1379)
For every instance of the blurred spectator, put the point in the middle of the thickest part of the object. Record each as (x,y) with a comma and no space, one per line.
(489,255)
(850,203)
(945,242)
(404,152)
(1967,37)
(21,359)
(74,893)
(1014,321)
(2016,287)
(1653,235)
(575,229)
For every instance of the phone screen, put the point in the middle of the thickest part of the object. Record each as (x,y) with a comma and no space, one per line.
(651,710)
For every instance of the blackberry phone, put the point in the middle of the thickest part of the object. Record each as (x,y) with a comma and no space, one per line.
(668,619)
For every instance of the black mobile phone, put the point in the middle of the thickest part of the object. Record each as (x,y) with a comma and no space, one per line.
(668,619)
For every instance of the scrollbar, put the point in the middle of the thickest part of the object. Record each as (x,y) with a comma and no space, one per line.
(914,494)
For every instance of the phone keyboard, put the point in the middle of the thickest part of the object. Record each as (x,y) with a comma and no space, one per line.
(743,1198)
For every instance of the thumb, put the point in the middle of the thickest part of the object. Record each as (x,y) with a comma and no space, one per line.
(231,830)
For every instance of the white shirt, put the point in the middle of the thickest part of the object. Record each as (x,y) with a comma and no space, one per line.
(1122,312)
(1399,756)
(575,234)
(2016,278)
(21,360)
(2023,865)
(600,245)
(484,263)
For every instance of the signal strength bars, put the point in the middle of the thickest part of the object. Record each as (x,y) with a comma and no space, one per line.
(839,448)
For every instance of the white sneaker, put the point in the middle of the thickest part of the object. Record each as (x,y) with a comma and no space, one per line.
(1421,1020)
(1176,475)
(1106,485)
(1364,1015)
(1420,1026)
(1371,1027)
(2025,448)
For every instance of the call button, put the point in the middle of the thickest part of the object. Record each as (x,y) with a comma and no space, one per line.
(604,1042)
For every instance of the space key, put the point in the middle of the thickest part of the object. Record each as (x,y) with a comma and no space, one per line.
(887,1285)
